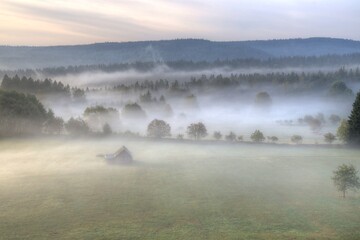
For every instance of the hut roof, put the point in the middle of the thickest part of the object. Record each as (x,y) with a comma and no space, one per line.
(122,150)
(122,155)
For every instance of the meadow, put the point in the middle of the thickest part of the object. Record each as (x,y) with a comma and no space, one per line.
(59,189)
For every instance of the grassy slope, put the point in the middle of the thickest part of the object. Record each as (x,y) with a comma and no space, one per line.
(52,190)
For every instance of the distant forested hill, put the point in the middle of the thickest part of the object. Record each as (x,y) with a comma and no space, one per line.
(170,50)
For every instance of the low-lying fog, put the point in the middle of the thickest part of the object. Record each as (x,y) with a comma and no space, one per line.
(101,79)
(50,157)
(225,110)
(60,189)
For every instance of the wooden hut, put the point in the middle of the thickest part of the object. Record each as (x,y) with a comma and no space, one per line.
(121,156)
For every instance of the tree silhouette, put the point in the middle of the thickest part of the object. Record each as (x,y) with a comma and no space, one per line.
(257,136)
(354,123)
(343,131)
(197,130)
(329,138)
(345,178)
(158,129)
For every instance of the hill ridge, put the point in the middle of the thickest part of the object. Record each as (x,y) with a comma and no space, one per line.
(170,50)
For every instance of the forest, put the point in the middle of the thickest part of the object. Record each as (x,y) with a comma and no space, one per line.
(110,109)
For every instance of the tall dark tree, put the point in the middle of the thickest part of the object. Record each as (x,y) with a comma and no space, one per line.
(354,123)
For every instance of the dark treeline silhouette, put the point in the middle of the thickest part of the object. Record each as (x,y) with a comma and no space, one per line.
(183,65)
(21,114)
(29,85)
(47,86)
(292,82)
(170,50)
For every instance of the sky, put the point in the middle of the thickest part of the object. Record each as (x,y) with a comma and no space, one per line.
(66,22)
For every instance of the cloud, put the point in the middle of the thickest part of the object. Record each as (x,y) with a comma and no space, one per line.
(44,22)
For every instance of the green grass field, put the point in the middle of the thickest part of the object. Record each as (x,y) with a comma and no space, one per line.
(59,189)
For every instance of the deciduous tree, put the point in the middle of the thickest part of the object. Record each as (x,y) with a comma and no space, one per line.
(197,130)
(217,135)
(329,138)
(343,131)
(158,129)
(345,178)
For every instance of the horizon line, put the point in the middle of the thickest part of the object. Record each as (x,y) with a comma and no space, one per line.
(181,39)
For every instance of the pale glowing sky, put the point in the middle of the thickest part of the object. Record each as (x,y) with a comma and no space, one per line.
(54,22)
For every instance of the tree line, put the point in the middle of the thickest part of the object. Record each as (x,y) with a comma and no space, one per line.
(24,114)
(47,86)
(183,65)
(290,82)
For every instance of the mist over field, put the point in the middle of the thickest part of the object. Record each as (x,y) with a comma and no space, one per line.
(59,188)
(177,119)
(225,109)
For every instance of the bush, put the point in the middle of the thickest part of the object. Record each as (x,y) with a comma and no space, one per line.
(217,135)
(257,136)
(329,138)
(274,139)
(297,139)
(231,137)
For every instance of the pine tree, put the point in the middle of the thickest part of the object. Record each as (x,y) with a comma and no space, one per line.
(257,136)
(354,123)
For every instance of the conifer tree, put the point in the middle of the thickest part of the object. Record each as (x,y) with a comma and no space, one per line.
(354,123)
